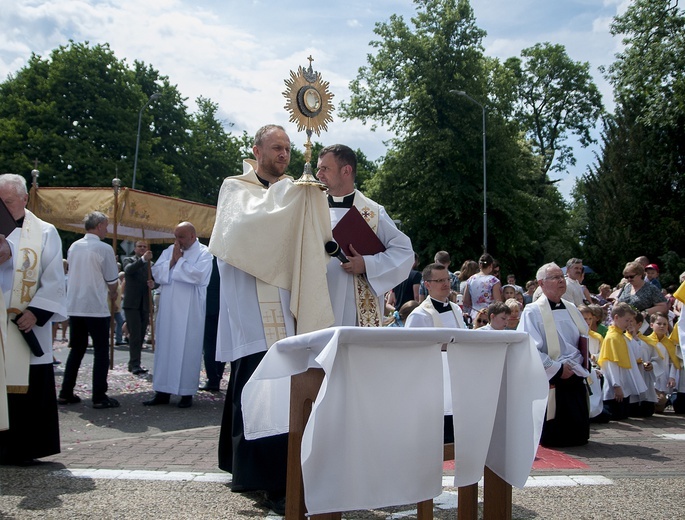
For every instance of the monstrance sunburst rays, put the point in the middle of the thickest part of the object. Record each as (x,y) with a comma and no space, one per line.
(310,107)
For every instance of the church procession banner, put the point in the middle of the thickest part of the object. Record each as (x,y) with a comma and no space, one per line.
(138,214)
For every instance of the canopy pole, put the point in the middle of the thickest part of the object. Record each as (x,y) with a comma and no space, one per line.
(34,190)
(151,301)
(116,183)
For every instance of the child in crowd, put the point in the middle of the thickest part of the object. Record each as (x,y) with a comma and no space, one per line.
(594,338)
(508,291)
(498,315)
(662,366)
(515,315)
(618,364)
(643,405)
(398,318)
(600,317)
(481,319)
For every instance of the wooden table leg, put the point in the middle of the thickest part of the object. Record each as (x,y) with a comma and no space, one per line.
(303,391)
(467,502)
(496,497)
(424,510)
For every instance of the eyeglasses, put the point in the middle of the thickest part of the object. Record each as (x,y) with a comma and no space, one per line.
(440,280)
(482,322)
(629,276)
(554,278)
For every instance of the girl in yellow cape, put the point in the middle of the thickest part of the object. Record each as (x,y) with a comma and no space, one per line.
(618,363)
(662,369)
(646,355)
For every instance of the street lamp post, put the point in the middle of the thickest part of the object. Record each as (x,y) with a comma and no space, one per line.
(485,172)
(154,96)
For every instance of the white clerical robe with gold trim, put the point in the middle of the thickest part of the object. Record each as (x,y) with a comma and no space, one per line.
(384,270)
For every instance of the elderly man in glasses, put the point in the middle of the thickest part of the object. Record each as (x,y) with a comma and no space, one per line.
(556,327)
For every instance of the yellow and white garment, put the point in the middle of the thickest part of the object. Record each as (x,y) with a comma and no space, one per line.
(292,225)
(553,344)
(25,284)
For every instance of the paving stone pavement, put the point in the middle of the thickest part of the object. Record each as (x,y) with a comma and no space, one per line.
(161,462)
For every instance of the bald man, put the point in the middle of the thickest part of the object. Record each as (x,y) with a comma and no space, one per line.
(182,272)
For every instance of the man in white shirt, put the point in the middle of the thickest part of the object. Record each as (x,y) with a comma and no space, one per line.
(576,292)
(93,279)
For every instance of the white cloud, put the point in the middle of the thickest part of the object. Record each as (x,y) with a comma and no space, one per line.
(239,53)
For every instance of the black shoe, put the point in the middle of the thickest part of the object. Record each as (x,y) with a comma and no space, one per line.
(139,371)
(107,402)
(72,399)
(209,388)
(159,398)
(186,401)
(275,502)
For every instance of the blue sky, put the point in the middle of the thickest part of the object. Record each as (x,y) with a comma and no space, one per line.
(239,52)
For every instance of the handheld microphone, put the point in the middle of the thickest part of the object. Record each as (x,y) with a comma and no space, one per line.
(333,249)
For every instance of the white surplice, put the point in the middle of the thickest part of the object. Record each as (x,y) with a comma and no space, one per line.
(180,325)
(383,271)
(532,323)
(425,316)
(647,354)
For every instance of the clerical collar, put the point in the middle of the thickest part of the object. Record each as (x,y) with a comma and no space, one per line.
(441,306)
(20,222)
(263,181)
(341,202)
(556,306)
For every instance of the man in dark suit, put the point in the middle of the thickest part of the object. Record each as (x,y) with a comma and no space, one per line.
(137,303)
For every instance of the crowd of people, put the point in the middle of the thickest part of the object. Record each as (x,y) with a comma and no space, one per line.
(620,346)
(265,276)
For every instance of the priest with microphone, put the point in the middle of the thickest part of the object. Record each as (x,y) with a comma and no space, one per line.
(357,287)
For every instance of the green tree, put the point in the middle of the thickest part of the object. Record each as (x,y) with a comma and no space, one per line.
(77,114)
(557,97)
(431,177)
(633,196)
(70,113)
(212,155)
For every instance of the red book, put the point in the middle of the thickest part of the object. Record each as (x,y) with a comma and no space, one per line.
(353,229)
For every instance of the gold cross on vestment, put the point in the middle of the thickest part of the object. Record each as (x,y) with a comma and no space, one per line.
(274,328)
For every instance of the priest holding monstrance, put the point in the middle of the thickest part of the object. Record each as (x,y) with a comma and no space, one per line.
(269,240)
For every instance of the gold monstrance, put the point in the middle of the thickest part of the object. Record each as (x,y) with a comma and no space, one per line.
(309,104)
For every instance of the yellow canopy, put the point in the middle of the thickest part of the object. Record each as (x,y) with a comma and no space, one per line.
(140,215)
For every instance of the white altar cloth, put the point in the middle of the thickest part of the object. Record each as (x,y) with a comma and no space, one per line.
(374,437)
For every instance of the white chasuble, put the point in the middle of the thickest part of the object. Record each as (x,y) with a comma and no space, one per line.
(278,236)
